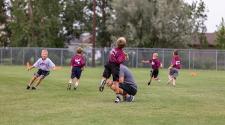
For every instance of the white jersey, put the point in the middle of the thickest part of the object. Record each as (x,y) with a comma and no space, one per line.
(46,64)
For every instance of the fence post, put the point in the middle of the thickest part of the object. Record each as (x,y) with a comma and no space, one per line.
(11,55)
(216,59)
(1,56)
(189,59)
(163,59)
(136,58)
(193,59)
(23,56)
(61,61)
(36,56)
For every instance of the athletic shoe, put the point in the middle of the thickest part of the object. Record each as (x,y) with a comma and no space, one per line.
(75,88)
(28,87)
(149,83)
(130,98)
(33,88)
(101,86)
(69,86)
(117,100)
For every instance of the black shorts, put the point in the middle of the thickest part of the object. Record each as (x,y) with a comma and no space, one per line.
(76,72)
(128,89)
(154,73)
(42,73)
(112,69)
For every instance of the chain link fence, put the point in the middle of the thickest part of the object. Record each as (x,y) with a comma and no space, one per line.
(191,58)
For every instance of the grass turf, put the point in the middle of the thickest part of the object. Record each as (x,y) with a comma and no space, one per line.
(196,100)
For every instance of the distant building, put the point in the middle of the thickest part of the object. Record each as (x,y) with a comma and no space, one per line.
(211,39)
(85,39)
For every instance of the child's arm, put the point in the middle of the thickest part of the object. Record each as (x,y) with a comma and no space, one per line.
(29,68)
(34,65)
(144,61)
(170,66)
(161,65)
(52,65)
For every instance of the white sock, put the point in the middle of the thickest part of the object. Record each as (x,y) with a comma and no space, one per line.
(76,84)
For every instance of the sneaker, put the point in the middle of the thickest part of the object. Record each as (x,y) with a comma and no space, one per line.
(149,83)
(75,88)
(101,86)
(33,88)
(28,87)
(117,100)
(130,98)
(69,86)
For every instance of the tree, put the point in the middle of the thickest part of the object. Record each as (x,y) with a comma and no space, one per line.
(198,18)
(220,39)
(36,23)
(4,31)
(153,23)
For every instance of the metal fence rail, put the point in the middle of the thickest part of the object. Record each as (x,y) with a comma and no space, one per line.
(191,58)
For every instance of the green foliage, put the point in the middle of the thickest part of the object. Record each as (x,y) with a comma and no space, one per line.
(145,23)
(36,23)
(157,23)
(221,35)
(198,18)
(4,31)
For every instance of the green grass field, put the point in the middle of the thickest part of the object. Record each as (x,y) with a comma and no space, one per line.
(194,101)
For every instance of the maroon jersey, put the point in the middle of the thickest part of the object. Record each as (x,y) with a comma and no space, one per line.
(176,62)
(77,61)
(155,63)
(117,56)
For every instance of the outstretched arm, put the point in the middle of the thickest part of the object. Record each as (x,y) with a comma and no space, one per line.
(144,61)
(29,68)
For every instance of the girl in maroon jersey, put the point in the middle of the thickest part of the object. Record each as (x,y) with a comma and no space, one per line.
(77,66)
(116,57)
(174,68)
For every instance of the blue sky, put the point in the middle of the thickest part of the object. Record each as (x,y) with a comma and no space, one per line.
(216,10)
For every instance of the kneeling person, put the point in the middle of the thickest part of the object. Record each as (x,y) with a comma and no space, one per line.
(127,88)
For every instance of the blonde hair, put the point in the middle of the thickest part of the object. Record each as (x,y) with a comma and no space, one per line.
(79,50)
(121,42)
(155,54)
(44,50)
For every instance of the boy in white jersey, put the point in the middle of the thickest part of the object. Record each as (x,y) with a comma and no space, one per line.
(44,65)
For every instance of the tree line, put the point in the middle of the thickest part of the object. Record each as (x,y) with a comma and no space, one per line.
(145,23)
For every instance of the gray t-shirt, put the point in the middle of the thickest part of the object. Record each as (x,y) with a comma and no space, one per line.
(46,64)
(128,77)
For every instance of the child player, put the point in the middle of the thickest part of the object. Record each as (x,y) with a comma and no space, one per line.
(156,64)
(174,68)
(77,66)
(115,58)
(44,65)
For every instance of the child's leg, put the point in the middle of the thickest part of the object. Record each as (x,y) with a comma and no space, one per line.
(75,82)
(156,74)
(170,79)
(106,74)
(32,80)
(115,87)
(174,82)
(70,84)
(40,78)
